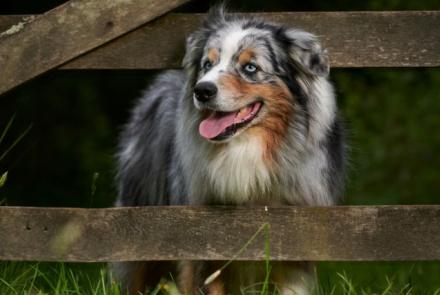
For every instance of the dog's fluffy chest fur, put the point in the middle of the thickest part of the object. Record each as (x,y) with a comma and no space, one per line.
(235,173)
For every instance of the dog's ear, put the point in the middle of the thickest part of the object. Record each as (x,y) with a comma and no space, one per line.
(306,51)
(189,45)
(193,52)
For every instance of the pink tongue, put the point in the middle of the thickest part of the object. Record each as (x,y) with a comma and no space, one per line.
(217,123)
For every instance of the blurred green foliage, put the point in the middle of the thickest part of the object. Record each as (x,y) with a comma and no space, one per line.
(391,115)
(385,278)
(392,118)
(76,117)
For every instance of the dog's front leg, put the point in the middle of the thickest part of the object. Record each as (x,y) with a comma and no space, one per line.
(192,276)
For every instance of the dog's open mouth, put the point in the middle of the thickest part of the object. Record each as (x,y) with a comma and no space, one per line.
(221,125)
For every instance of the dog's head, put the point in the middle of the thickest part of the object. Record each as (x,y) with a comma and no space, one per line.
(247,75)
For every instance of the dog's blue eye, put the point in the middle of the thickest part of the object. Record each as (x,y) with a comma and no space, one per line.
(250,68)
(207,65)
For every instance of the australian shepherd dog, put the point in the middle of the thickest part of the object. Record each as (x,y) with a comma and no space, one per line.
(251,120)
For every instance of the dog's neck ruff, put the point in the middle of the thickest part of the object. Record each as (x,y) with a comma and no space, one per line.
(237,172)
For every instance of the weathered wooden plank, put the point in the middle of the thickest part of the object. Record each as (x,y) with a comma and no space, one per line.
(171,233)
(354,39)
(35,45)
(7,21)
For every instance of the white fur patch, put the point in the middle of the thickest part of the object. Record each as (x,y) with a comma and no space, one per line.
(238,171)
(229,47)
(322,108)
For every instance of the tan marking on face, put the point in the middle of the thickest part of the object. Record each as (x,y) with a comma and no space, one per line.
(246,56)
(277,101)
(213,55)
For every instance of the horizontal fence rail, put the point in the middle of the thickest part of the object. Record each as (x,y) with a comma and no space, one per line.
(354,39)
(34,45)
(346,233)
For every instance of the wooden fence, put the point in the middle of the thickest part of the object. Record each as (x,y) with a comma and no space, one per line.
(218,233)
(123,35)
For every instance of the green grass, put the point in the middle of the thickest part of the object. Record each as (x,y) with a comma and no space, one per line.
(406,278)
(54,278)
(387,278)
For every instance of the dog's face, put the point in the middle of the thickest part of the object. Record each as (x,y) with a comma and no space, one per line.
(237,83)
(247,74)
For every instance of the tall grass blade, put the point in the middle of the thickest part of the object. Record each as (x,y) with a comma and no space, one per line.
(8,126)
(3,179)
(16,141)
(214,275)
(8,285)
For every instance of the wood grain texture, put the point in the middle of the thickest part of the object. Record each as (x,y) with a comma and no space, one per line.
(354,39)
(7,21)
(40,43)
(217,233)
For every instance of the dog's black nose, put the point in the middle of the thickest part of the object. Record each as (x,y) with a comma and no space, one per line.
(205,91)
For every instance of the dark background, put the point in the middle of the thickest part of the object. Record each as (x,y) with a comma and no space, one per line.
(66,159)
